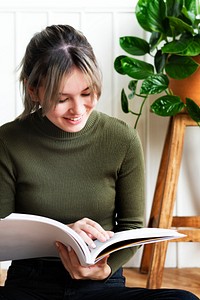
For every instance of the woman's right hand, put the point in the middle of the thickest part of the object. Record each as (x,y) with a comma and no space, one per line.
(99,271)
(90,230)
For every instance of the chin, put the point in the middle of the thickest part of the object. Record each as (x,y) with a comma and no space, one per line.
(74,128)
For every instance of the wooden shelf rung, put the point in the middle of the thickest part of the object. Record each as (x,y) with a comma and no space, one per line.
(186,221)
(192,235)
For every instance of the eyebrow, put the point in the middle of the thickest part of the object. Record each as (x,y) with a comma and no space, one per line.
(64,94)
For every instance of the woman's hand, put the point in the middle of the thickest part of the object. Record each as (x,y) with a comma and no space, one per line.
(90,230)
(101,270)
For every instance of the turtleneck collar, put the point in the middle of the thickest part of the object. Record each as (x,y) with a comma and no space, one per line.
(46,127)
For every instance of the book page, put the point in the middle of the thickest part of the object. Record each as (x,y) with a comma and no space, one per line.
(26,236)
(131,238)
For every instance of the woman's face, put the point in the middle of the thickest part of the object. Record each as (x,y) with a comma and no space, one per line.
(75,103)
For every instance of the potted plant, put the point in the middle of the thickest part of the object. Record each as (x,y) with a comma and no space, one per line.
(174,47)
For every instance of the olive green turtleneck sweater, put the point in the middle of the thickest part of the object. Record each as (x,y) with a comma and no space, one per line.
(97,173)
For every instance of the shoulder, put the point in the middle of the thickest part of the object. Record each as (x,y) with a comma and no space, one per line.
(9,127)
(120,138)
(116,127)
(13,130)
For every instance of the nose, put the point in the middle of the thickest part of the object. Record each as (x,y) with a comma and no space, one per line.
(77,107)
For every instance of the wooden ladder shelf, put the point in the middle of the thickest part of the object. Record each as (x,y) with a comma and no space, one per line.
(154,255)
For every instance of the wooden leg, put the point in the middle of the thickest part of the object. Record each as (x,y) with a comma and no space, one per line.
(167,200)
(155,274)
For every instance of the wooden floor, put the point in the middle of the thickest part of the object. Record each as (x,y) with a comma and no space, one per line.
(188,279)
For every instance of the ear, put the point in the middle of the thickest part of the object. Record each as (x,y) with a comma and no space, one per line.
(32,93)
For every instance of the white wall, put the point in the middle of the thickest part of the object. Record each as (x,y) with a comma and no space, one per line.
(103,22)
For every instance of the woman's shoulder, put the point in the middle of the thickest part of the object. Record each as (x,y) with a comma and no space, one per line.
(7,127)
(12,129)
(116,126)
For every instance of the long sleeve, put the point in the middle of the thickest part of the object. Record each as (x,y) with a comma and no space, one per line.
(7,182)
(129,198)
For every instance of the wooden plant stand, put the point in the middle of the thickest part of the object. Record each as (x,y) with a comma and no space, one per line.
(161,215)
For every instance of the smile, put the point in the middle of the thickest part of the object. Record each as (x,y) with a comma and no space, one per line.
(75,119)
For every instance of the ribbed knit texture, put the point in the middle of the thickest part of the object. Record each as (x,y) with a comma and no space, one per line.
(97,173)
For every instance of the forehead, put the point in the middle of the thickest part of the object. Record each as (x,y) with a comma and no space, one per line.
(74,82)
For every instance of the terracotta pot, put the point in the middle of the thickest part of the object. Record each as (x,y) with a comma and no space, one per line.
(188,87)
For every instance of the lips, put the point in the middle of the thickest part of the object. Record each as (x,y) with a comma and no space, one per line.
(75,119)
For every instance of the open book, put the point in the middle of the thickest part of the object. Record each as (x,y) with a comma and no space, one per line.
(28,236)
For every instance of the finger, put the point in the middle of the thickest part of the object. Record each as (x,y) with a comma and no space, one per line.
(63,251)
(95,233)
(89,233)
(96,230)
(87,239)
(68,258)
(64,256)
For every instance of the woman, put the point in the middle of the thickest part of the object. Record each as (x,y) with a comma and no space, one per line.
(64,160)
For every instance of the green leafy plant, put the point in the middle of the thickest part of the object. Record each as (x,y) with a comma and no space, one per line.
(174,39)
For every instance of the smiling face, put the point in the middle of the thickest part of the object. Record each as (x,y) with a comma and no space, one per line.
(76,102)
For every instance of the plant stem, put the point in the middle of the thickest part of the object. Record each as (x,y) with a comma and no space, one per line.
(140,111)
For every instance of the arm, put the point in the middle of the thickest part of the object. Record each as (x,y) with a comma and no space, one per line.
(7,182)
(129,197)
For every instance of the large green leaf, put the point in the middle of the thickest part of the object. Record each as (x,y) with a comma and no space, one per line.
(191,5)
(174,7)
(150,14)
(124,102)
(167,106)
(187,46)
(179,67)
(179,25)
(134,45)
(193,110)
(154,84)
(193,47)
(160,61)
(177,46)
(190,10)
(135,68)
(118,64)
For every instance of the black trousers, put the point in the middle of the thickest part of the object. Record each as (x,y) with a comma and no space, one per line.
(39,279)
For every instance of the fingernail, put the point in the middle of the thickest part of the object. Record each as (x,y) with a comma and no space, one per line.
(69,248)
(107,237)
(92,245)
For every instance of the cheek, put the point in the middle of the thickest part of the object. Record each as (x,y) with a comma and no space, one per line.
(58,111)
(93,102)
(53,114)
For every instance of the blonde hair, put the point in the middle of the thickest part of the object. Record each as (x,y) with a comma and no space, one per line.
(50,56)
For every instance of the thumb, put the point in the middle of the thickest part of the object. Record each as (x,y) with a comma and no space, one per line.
(103,261)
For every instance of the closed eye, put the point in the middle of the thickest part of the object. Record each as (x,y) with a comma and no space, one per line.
(63,100)
(86,95)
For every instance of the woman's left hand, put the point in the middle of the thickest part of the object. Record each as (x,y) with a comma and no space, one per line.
(100,271)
